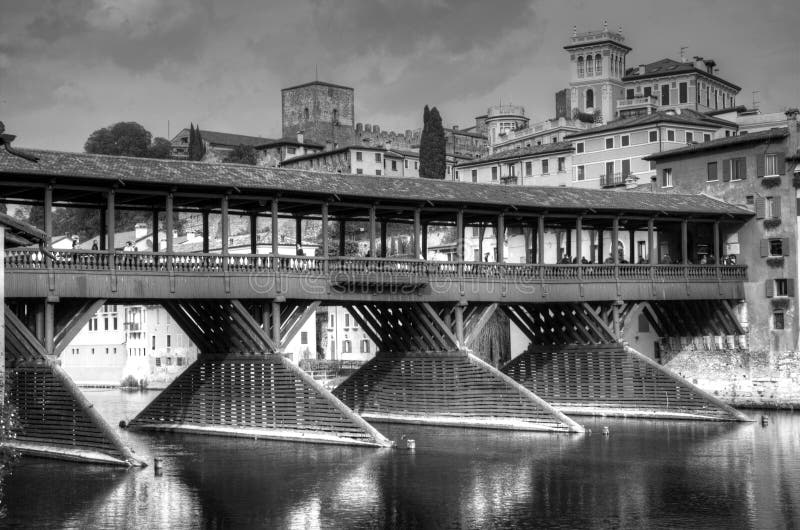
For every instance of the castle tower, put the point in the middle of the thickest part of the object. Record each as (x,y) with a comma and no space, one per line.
(323,111)
(598,65)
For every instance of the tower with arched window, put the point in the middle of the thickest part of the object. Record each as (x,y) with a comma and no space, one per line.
(323,111)
(597,60)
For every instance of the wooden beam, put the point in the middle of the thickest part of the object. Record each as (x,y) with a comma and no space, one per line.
(486,314)
(75,324)
(298,323)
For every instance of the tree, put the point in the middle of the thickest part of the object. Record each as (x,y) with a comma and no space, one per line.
(126,138)
(242,154)
(432,161)
(197,149)
(160,148)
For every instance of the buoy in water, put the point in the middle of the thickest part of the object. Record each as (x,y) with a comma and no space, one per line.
(606,431)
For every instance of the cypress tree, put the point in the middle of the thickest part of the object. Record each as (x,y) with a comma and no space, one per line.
(432,162)
(201,146)
(191,141)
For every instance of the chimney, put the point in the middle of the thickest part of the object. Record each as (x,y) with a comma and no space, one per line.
(641,69)
(140,230)
(300,137)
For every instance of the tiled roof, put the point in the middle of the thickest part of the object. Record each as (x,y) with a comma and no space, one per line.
(722,143)
(321,83)
(287,141)
(164,174)
(320,154)
(686,117)
(534,150)
(668,66)
(227,139)
(20,233)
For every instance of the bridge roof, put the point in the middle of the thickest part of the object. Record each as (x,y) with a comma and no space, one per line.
(153,174)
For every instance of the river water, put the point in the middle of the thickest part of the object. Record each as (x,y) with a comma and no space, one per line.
(646,474)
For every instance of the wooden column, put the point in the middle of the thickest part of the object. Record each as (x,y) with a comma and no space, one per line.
(615,320)
(274,228)
(168,211)
(384,250)
(460,235)
(298,230)
(49,327)
(110,223)
(579,239)
(460,324)
(276,323)
(39,321)
(526,230)
(206,235)
(684,241)
(631,245)
(266,317)
(103,230)
(540,239)
(226,228)
(372,231)
(500,237)
(48,216)
(155,230)
(417,237)
(342,229)
(601,255)
(615,240)
(717,250)
(425,241)
(652,254)
(253,234)
(568,245)
(325,228)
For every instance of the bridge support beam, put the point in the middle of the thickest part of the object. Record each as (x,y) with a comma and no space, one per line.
(56,418)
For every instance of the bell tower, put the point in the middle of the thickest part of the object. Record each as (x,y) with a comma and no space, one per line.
(597,60)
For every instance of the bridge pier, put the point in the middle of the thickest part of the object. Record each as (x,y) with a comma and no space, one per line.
(423,373)
(242,385)
(57,421)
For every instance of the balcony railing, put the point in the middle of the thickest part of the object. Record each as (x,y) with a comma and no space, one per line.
(509,180)
(641,101)
(346,268)
(612,180)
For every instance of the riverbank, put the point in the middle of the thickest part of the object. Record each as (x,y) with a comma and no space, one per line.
(743,379)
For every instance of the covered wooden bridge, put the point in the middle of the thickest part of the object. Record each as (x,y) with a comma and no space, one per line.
(242,307)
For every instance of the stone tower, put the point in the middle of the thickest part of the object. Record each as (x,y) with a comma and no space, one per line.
(323,111)
(597,61)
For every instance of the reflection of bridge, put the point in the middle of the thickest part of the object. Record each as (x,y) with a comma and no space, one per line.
(242,310)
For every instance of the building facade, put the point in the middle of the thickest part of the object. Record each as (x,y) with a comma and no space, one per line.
(759,171)
(324,112)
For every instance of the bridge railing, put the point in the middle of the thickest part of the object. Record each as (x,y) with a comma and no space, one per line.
(211,263)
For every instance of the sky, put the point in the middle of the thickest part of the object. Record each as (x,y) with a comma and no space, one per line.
(69,67)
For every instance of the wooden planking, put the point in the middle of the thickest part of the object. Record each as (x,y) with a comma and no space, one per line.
(429,386)
(606,376)
(247,392)
(49,415)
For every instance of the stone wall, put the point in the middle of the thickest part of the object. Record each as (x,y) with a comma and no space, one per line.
(372,135)
(324,112)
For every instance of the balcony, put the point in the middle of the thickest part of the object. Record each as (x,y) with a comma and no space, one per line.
(510,180)
(643,104)
(613,180)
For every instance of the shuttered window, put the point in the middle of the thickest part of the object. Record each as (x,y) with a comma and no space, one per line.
(712,172)
(770,164)
(760,207)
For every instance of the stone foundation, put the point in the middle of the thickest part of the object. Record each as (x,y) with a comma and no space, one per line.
(743,378)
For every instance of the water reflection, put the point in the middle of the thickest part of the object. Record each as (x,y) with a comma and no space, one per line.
(645,474)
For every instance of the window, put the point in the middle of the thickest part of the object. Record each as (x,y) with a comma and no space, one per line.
(364,346)
(378,172)
(359,171)
(711,172)
(665,94)
(749,199)
(774,247)
(359,156)
(545,167)
(106,351)
(457,175)
(562,163)
(653,136)
(610,143)
(683,93)
(304,337)
(394,165)
(734,169)
(589,66)
(689,137)
(781,287)
(405,164)
(474,175)
(777,320)
(580,66)
(648,91)
(347,320)
(331,320)
(335,116)
(158,361)
(291,150)
(706,137)
(377,157)
(589,98)
(528,169)
(180,361)
(670,135)
(305,113)
(770,165)
(347,346)
(666,178)
(626,168)
(581,174)
(625,140)
(629,94)
(494,173)
(114,322)
(554,139)
(153,347)
(579,147)
(105,323)
(416,164)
